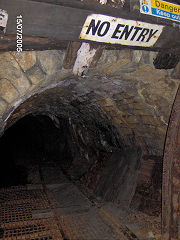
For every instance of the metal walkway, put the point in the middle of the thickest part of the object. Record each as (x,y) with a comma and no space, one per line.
(56,210)
(33,214)
(16,215)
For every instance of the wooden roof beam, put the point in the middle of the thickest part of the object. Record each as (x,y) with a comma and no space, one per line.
(51,24)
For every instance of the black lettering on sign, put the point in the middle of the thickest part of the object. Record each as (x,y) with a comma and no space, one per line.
(93,27)
(100,33)
(157,3)
(126,32)
(142,35)
(137,29)
(117,30)
(151,34)
(131,32)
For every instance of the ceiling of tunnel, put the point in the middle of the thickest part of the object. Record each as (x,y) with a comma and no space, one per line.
(124,88)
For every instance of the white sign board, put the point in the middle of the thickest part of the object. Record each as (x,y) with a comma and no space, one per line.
(161,9)
(3,18)
(101,28)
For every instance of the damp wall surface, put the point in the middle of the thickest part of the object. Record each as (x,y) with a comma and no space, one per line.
(116,116)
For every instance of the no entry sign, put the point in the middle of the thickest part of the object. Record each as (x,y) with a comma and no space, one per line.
(102,28)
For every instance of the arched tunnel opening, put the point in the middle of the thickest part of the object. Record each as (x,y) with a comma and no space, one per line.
(92,154)
(85,148)
(81,159)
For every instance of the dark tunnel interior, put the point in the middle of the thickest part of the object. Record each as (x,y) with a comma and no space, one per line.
(96,165)
(92,154)
(30,141)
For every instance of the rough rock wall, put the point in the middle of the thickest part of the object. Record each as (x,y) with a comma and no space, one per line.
(135,95)
(123,91)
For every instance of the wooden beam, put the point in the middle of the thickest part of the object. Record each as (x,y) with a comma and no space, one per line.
(80,56)
(71,54)
(61,21)
(8,43)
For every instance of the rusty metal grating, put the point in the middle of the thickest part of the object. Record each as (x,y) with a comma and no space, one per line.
(16,208)
(14,213)
(24,194)
(23,216)
(15,194)
(43,229)
(37,197)
(17,205)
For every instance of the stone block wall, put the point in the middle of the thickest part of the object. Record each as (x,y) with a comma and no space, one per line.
(124,88)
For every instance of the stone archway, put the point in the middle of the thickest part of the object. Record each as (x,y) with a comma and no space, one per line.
(126,89)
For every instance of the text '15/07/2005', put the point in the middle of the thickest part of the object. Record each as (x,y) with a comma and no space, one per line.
(19,36)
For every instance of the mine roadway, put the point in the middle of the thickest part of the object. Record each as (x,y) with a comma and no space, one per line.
(57,209)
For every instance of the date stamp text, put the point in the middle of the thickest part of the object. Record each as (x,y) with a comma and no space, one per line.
(19,36)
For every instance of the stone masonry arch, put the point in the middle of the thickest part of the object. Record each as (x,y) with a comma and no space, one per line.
(124,88)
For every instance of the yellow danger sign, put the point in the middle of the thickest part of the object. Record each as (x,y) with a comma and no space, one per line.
(169,7)
(161,9)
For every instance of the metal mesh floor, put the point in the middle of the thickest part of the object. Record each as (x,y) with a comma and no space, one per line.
(31,230)
(16,221)
(19,205)
(36,198)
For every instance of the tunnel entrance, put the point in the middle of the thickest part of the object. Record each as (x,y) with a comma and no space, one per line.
(88,152)
(82,170)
